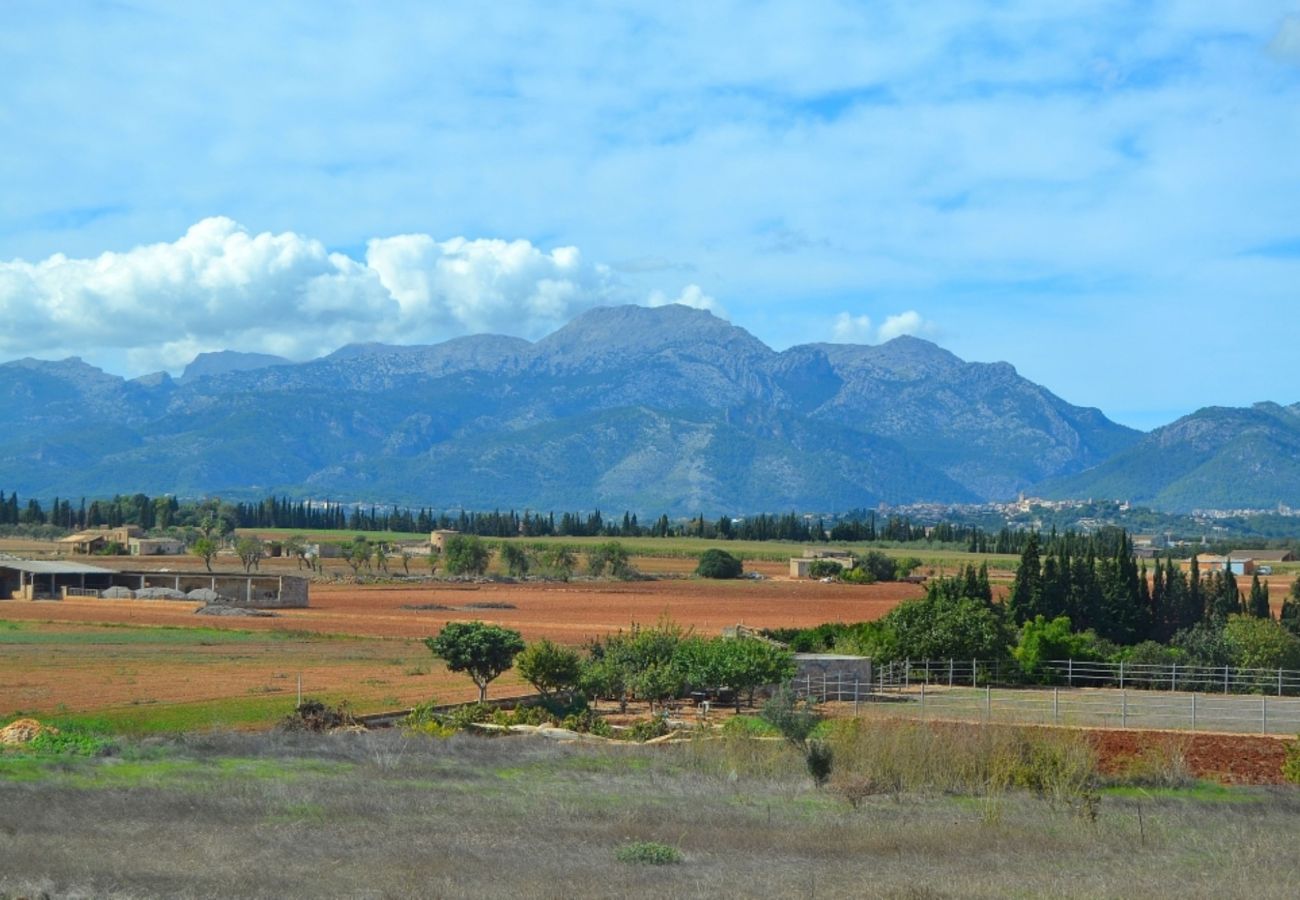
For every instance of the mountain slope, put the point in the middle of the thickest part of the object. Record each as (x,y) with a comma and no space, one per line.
(667,409)
(1217,457)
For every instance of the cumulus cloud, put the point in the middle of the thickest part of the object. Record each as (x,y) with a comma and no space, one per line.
(221,287)
(909,322)
(850,329)
(693,296)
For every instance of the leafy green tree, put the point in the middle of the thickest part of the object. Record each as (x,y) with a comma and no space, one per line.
(550,668)
(516,559)
(249,548)
(946,623)
(481,650)
(356,553)
(466,554)
(1260,644)
(715,563)
(205,548)
(880,565)
(1042,641)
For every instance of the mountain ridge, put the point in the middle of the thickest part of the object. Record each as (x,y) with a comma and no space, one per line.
(670,404)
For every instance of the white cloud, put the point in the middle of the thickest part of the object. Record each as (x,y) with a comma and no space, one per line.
(909,322)
(220,287)
(693,296)
(850,329)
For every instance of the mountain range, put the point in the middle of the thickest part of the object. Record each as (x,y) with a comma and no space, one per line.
(669,409)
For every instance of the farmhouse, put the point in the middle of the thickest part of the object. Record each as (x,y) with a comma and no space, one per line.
(1237,563)
(438,539)
(95,540)
(40,579)
(140,546)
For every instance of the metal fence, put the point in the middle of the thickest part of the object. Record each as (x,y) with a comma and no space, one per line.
(903,674)
(1088,695)
(1100,708)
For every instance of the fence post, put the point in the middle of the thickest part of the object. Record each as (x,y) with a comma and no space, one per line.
(1123,708)
(1056,706)
(1263,714)
(950,672)
(1121,674)
(907,673)
(1225,679)
(1173,678)
(972,672)
(1279,682)
(927,671)
(1069,671)
(1193,710)
(922,699)
(988,702)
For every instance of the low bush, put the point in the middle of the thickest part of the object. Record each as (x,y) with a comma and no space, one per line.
(645,730)
(716,563)
(650,853)
(1291,767)
(71,742)
(316,715)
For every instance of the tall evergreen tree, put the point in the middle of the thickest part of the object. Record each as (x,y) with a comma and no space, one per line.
(1258,606)
(1027,590)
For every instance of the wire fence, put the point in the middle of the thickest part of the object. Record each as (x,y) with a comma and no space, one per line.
(1087,707)
(904,674)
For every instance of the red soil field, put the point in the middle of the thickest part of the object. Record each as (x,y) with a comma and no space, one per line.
(1227,758)
(568,613)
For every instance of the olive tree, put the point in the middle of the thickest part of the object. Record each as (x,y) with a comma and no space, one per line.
(466,554)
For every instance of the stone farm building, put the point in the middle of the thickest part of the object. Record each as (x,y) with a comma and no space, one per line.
(55,579)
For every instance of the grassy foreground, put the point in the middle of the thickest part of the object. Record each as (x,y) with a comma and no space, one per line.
(911,812)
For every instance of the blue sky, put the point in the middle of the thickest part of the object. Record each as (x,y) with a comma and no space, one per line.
(1106,195)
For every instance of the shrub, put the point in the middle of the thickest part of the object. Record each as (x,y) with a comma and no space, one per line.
(824,568)
(316,715)
(647,729)
(716,563)
(649,853)
(71,742)
(1291,767)
(856,576)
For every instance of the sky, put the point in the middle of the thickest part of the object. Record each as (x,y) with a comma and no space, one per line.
(1104,194)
